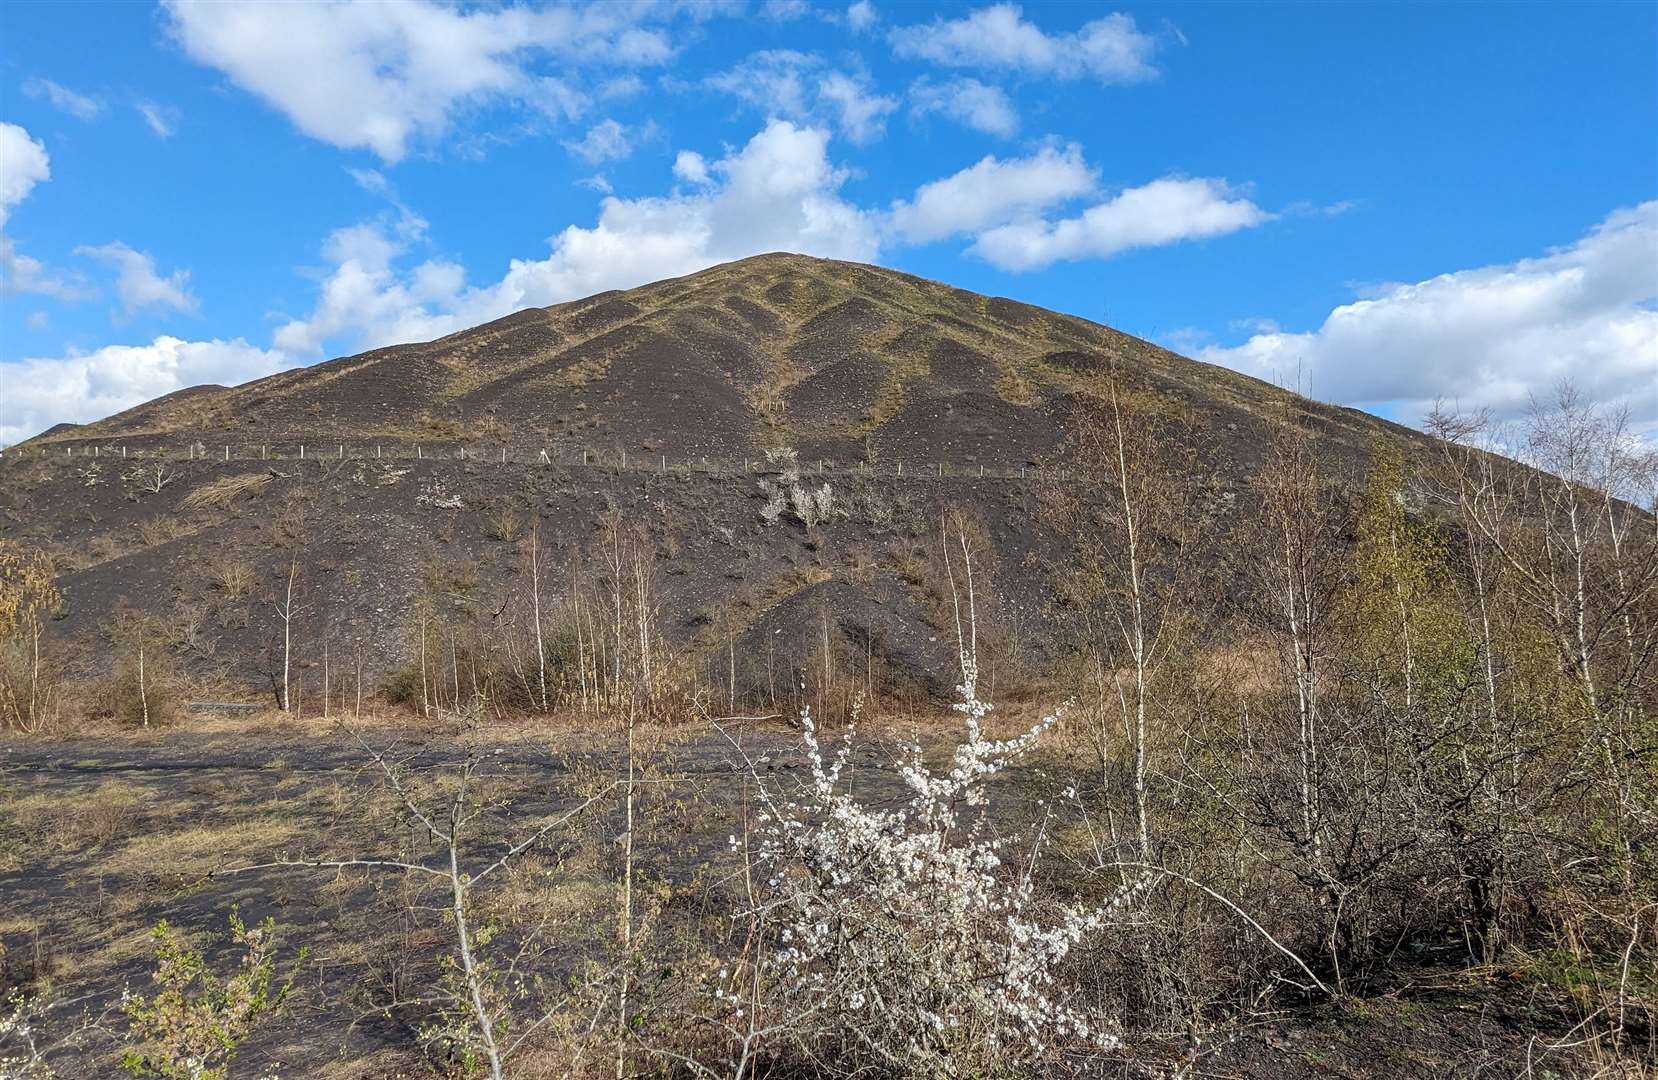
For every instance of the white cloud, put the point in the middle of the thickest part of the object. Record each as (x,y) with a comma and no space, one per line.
(1109,49)
(359,73)
(22,274)
(162,119)
(1490,337)
(774,80)
(23,164)
(81,387)
(607,140)
(691,167)
(138,285)
(1162,212)
(38,320)
(62,98)
(861,16)
(992,193)
(966,101)
(800,86)
(861,113)
(365,301)
(778,192)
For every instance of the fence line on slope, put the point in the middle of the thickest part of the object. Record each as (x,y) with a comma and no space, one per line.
(612,460)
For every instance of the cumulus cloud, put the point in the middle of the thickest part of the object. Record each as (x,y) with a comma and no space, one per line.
(1109,49)
(1162,212)
(406,68)
(62,98)
(801,87)
(23,164)
(138,284)
(991,193)
(778,192)
(968,102)
(861,16)
(691,167)
(1491,337)
(21,273)
(81,387)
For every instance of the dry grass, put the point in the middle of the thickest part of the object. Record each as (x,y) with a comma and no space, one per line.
(220,493)
(60,823)
(158,530)
(191,854)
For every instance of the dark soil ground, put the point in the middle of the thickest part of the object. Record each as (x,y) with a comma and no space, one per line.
(102,837)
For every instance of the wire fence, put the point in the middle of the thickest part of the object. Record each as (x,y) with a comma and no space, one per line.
(612,460)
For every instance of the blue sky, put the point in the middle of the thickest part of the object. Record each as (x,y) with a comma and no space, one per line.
(1382,204)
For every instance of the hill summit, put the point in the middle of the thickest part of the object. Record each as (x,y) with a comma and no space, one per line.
(844,361)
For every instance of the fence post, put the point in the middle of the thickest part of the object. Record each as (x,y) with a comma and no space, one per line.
(227,451)
(123,451)
(377,451)
(664,462)
(941,470)
(342,451)
(417,452)
(503,455)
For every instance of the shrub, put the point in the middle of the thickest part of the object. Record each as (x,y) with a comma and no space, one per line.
(231,575)
(144,686)
(191,1028)
(776,501)
(906,938)
(28,599)
(503,523)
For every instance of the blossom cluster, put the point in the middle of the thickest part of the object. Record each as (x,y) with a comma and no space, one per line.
(909,931)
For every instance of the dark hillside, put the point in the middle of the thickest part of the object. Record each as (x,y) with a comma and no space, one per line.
(915,397)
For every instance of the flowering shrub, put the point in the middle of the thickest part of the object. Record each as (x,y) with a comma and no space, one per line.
(906,932)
